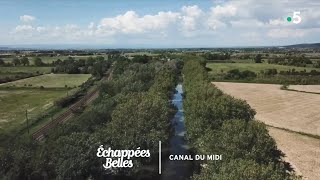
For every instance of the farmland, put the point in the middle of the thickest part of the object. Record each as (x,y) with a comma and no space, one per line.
(48,59)
(133,107)
(51,81)
(25,69)
(255,67)
(32,88)
(134,87)
(297,115)
(15,102)
(25,94)
(277,107)
(263,73)
(301,151)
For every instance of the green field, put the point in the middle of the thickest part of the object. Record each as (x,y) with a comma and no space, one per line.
(225,67)
(50,81)
(14,103)
(27,69)
(48,59)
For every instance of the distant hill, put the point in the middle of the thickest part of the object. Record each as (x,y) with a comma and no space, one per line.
(312,45)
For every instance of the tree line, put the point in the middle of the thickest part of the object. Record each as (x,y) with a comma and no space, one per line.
(92,65)
(273,76)
(221,124)
(217,56)
(300,61)
(133,110)
(24,61)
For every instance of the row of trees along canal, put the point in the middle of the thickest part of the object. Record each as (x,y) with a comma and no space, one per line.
(220,124)
(133,110)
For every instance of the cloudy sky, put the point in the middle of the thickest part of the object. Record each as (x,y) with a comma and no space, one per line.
(160,23)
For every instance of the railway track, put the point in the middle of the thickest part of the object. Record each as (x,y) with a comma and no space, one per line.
(68,114)
(86,100)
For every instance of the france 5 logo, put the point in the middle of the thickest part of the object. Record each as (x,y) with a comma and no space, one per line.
(296,18)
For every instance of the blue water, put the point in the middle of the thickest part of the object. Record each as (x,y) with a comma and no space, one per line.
(178,170)
(178,144)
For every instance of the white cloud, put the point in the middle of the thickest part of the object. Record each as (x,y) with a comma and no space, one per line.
(253,37)
(246,19)
(131,23)
(214,24)
(23,29)
(223,11)
(286,33)
(27,18)
(91,25)
(190,18)
(218,16)
(246,23)
(41,29)
(191,11)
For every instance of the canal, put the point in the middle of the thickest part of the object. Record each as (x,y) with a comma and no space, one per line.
(178,170)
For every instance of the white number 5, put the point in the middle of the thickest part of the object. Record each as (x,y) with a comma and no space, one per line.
(296,17)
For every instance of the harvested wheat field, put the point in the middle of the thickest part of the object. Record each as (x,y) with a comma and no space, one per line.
(295,111)
(292,110)
(301,151)
(306,88)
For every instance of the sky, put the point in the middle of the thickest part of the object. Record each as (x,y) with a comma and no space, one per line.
(157,24)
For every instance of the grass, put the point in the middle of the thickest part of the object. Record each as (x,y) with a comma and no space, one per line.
(50,81)
(36,101)
(25,69)
(48,59)
(14,103)
(225,67)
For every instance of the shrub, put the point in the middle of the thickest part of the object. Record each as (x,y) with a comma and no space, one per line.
(284,87)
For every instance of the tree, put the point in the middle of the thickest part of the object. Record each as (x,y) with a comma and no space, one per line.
(242,170)
(1,62)
(16,61)
(17,160)
(24,61)
(317,64)
(258,58)
(100,58)
(74,157)
(37,61)
(141,59)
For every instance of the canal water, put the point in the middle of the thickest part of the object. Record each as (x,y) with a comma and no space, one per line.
(178,170)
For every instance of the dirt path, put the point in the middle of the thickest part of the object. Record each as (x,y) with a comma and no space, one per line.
(295,111)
